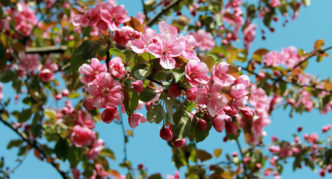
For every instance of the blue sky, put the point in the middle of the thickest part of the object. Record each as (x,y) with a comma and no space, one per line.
(146,147)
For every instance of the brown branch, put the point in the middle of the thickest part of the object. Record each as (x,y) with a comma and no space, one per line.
(286,81)
(144,9)
(46,50)
(35,145)
(312,54)
(162,12)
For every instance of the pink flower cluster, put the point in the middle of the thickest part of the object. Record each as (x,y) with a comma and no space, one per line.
(209,93)
(104,16)
(28,63)
(105,91)
(24,18)
(165,46)
(48,70)
(249,35)
(288,56)
(261,103)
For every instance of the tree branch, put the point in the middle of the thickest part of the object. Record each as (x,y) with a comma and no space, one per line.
(314,53)
(162,12)
(46,50)
(286,81)
(35,145)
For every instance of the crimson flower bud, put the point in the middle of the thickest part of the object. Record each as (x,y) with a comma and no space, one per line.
(247,112)
(201,124)
(166,134)
(179,143)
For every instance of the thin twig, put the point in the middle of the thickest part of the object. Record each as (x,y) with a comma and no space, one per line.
(35,145)
(242,157)
(286,81)
(162,12)
(314,53)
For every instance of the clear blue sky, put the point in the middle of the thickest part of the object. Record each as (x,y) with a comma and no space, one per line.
(146,147)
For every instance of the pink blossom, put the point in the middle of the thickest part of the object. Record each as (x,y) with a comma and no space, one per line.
(204,40)
(312,138)
(82,136)
(238,91)
(109,114)
(101,172)
(140,17)
(88,104)
(290,56)
(234,3)
(220,76)
(91,71)
(324,129)
(96,148)
(191,93)
(249,35)
(274,149)
(209,97)
(113,15)
(176,176)
(28,63)
(273,59)
(305,100)
(189,52)
(247,112)
(117,68)
(135,119)
(125,35)
(244,80)
(196,73)
(105,91)
(138,86)
(219,121)
(65,92)
(141,45)
(46,75)
(1,93)
(85,119)
(167,46)
(24,18)
(76,173)
(275,3)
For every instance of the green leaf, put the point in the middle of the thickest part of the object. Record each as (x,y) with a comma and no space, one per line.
(156,113)
(147,95)
(169,108)
(131,101)
(7,76)
(182,123)
(50,114)
(118,53)
(61,149)
(14,143)
(74,156)
(141,71)
(108,152)
(73,95)
(177,76)
(306,2)
(87,50)
(24,115)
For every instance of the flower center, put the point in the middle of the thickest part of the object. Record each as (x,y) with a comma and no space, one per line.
(106,91)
